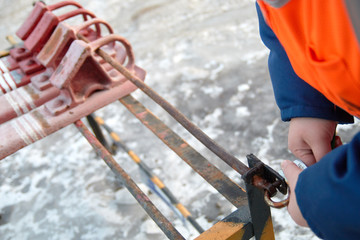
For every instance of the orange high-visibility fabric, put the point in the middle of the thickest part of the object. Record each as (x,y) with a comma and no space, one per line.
(319,40)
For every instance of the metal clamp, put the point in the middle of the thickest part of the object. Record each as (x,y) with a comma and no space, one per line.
(64,34)
(266,178)
(43,30)
(38,11)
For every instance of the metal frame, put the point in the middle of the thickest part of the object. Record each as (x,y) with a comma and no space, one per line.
(252,217)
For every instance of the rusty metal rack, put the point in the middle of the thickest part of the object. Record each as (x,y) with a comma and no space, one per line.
(57,77)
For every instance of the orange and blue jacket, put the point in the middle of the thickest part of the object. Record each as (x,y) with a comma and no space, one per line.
(314,64)
(321,44)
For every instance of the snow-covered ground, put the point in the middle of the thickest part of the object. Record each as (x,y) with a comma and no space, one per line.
(206,58)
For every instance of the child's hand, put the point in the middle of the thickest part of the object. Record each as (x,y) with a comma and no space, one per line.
(292,172)
(310,139)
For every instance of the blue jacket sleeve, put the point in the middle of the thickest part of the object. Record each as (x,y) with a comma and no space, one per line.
(294,97)
(328,193)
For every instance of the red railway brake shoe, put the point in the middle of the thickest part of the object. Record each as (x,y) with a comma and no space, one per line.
(60,92)
(59,42)
(80,73)
(47,24)
(36,14)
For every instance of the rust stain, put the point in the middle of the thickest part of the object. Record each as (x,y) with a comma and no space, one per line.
(141,115)
(38,116)
(33,95)
(50,46)
(210,173)
(184,145)
(60,67)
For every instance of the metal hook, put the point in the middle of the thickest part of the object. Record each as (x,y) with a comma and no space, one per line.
(273,204)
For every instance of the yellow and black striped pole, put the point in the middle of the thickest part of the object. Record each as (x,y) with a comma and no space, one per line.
(119,143)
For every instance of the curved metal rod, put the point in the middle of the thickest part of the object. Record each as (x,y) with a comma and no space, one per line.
(274,204)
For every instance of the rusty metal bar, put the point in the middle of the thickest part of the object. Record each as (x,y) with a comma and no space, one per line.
(261,181)
(232,161)
(147,170)
(224,185)
(98,133)
(143,200)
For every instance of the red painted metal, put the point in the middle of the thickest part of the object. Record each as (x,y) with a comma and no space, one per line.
(80,73)
(35,31)
(23,64)
(30,65)
(41,81)
(28,68)
(8,64)
(19,101)
(14,79)
(38,11)
(82,83)
(40,122)
(59,42)
(47,24)
(23,100)
(20,53)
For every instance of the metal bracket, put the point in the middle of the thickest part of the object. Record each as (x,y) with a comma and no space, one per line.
(274,181)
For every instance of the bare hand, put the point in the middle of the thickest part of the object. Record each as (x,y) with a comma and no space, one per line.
(292,172)
(310,139)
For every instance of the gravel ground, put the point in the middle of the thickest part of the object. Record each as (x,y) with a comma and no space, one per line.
(206,58)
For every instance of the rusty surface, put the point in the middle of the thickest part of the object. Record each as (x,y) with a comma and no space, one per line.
(259,209)
(264,177)
(145,168)
(143,200)
(50,47)
(266,182)
(275,204)
(232,161)
(230,190)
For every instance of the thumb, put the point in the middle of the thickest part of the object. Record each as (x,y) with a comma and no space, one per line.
(291,172)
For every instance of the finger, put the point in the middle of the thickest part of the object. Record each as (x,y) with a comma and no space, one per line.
(320,149)
(291,172)
(305,155)
(338,142)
